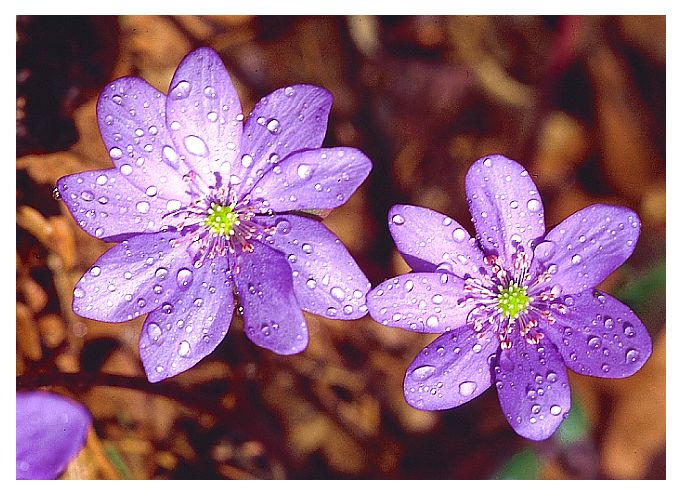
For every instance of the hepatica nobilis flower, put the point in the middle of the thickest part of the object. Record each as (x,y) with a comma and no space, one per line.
(207,207)
(51,430)
(516,306)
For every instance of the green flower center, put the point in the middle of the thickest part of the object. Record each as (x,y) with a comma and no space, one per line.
(221,219)
(513,300)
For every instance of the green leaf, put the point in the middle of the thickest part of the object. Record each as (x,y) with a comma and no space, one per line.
(576,427)
(644,287)
(521,466)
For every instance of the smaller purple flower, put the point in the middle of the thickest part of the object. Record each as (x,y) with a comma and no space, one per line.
(212,212)
(516,306)
(51,430)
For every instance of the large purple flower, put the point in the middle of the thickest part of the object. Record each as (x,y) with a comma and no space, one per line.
(516,306)
(209,208)
(51,430)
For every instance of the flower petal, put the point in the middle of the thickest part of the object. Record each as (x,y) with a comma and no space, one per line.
(51,430)
(131,116)
(427,239)
(287,120)
(189,326)
(589,245)
(272,317)
(326,279)
(420,302)
(106,205)
(204,114)
(600,336)
(533,387)
(506,208)
(315,179)
(451,371)
(131,279)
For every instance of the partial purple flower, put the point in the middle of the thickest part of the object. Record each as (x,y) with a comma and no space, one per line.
(212,212)
(516,306)
(51,430)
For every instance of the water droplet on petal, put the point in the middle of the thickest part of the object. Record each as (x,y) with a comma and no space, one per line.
(196,146)
(338,293)
(115,153)
(423,372)
(632,355)
(459,235)
(576,259)
(408,285)
(95,271)
(555,410)
(154,331)
(126,169)
(184,348)
(594,342)
(273,126)
(184,278)
(307,249)
(466,389)
(432,322)
(246,160)
(151,191)
(533,205)
(304,171)
(181,90)
(143,207)
(397,219)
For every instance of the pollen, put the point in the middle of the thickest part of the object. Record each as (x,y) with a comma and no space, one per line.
(221,219)
(513,300)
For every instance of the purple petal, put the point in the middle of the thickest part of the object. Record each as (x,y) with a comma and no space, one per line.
(533,387)
(600,336)
(204,113)
(315,179)
(506,208)
(51,430)
(106,205)
(451,371)
(272,317)
(589,245)
(131,116)
(131,279)
(420,302)
(326,279)
(189,326)
(287,120)
(427,240)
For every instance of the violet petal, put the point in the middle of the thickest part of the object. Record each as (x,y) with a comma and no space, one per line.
(600,336)
(272,317)
(106,205)
(420,302)
(188,327)
(287,120)
(451,371)
(131,116)
(204,114)
(326,279)
(314,179)
(533,387)
(51,430)
(594,242)
(506,208)
(131,279)
(427,240)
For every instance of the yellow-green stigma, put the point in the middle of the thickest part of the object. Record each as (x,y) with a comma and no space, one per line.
(513,300)
(221,219)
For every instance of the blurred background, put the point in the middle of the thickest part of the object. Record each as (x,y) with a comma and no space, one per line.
(579,101)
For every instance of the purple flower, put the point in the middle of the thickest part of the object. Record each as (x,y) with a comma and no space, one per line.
(51,430)
(516,306)
(210,210)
